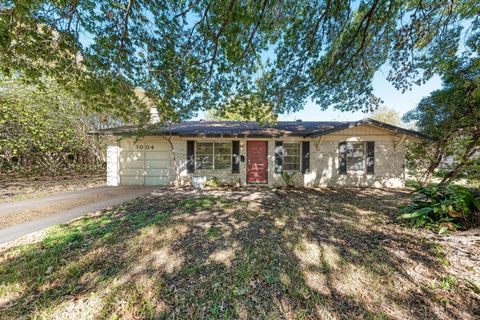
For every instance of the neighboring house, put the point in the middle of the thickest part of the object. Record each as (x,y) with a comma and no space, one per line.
(448,162)
(363,153)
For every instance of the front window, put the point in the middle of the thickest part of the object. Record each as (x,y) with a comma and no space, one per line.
(291,156)
(213,155)
(355,156)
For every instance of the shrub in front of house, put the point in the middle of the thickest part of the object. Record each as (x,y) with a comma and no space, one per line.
(290,178)
(443,208)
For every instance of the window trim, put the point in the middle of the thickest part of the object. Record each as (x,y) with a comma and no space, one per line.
(230,142)
(300,162)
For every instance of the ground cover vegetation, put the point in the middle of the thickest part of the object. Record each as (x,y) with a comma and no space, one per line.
(443,208)
(242,254)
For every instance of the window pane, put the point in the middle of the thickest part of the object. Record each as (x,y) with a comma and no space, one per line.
(291,166)
(291,159)
(223,155)
(204,148)
(355,156)
(355,163)
(213,155)
(204,155)
(291,156)
(355,150)
(204,162)
(223,147)
(291,148)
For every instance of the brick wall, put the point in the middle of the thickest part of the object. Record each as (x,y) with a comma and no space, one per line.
(389,166)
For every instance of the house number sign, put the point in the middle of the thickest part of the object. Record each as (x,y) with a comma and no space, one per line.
(144,146)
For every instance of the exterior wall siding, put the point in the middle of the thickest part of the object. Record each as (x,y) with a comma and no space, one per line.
(112,165)
(389,167)
(128,166)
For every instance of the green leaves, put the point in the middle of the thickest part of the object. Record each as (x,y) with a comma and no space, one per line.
(451,115)
(476,203)
(415,214)
(197,55)
(438,206)
(43,131)
(290,178)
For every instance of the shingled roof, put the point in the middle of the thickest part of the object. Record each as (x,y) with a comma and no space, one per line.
(306,129)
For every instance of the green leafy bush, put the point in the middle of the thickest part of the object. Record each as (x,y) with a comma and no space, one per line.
(290,178)
(213,183)
(443,208)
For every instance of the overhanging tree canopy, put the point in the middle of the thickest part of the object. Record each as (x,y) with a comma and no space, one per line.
(192,55)
(452,116)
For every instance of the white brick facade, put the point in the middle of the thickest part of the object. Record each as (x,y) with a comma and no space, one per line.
(324,163)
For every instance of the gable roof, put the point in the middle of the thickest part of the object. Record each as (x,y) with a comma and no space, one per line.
(374,123)
(305,129)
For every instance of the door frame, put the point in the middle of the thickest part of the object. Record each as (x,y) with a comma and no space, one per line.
(266,163)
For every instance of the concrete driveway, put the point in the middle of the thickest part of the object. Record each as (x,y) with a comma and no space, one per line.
(23,217)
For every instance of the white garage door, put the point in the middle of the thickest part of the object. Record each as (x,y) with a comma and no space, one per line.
(145,163)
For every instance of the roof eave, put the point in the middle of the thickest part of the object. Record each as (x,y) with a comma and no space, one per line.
(375,123)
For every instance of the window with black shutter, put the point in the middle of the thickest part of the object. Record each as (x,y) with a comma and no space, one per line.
(190,156)
(278,156)
(356,157)
(235,156)
(342,157)
(305,156)
(370,157)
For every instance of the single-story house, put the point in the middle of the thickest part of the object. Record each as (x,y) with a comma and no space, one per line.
(365,153)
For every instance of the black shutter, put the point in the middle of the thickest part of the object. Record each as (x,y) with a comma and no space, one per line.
(305,156)
(342,157)
(278,156)
(235,156)
(190,156)
(370,157)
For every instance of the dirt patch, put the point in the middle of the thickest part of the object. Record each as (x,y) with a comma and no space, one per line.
(17,188)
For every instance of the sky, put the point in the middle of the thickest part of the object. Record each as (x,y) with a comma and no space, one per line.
(392,98)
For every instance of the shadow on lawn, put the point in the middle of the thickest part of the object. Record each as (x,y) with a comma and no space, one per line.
(231,254)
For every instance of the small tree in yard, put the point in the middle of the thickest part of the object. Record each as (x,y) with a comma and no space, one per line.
(43,131)
(387,115)
(243,108)
(451,116)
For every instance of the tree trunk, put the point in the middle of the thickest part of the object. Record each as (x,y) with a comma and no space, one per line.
(469,152)
(437,159)
(174,160)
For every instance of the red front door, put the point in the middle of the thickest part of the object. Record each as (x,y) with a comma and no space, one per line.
(257,170)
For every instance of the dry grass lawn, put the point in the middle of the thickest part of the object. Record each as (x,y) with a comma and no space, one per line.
(14,188)
(238,254)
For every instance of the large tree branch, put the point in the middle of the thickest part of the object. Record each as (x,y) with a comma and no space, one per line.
(125,24)
(471,149)
(190,7)
(202,19)
(366,18)
(219,33)
(255,29)
(317,25)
